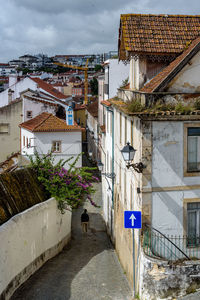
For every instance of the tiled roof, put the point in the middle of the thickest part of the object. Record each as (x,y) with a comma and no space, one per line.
(156,34)
(79,107)
(106,103)
(49,88)
(168,73)
(93,109)
(47,122)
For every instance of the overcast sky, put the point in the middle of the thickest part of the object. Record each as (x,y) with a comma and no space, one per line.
(72,26)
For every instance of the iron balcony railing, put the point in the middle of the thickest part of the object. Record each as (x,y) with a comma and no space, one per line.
(170,247)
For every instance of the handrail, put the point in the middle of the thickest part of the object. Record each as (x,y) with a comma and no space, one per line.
(152,228)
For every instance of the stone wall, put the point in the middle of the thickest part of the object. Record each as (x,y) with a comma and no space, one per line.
(163,280)
(28,240)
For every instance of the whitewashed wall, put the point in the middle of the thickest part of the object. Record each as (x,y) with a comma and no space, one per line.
(167,171)
(71,144)
(36,108)
(118,72)
(134,74)
(18,87)
(28,240)
(187,79)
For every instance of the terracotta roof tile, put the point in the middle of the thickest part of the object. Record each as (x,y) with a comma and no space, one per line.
(171,70)
(49,88)
(156,34)
(79,107)
(47,122)
(106,103)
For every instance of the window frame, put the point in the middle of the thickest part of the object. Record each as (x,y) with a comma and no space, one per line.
(187,173)
(186,201)
(29,112)
(60,149)
(7,125)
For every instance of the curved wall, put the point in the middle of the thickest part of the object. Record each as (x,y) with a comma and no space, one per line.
(28,240)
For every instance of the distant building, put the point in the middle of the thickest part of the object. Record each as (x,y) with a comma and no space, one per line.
(46,133)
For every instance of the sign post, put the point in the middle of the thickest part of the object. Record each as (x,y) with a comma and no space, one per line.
(133,220)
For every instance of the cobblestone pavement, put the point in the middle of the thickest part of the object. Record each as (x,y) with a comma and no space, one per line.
(87,269)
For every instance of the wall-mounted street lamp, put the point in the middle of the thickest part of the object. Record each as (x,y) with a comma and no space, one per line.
(108,175)
(128,153)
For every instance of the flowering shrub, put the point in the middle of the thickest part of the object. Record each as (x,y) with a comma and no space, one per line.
(71,187)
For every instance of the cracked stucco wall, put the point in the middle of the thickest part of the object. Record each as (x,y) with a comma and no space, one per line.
(164,280)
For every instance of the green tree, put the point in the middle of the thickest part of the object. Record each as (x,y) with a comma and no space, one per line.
(98,68)
(94,86)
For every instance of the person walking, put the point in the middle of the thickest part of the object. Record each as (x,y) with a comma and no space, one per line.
(84,221)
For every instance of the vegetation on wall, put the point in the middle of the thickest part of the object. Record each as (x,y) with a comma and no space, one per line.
(179,107)
(19,190)
(71,187)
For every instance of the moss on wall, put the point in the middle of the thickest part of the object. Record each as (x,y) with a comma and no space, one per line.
(19,190)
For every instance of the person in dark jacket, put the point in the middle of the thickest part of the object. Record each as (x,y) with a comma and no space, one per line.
(84,221)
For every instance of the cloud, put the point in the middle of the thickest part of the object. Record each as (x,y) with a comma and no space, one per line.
(65,26)
(86,7)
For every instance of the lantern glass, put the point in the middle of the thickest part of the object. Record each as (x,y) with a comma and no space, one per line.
(128,152)
(100,166)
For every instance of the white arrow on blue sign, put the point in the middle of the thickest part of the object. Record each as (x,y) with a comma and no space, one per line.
(132,219)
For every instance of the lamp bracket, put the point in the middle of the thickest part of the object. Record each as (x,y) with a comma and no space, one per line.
(109,175)
(138,167)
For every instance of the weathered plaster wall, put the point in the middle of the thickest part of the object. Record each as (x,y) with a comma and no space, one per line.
(126,196)
(28,240)
(10,142)
(146,128)
(187,79)
(169,192)
(162,280)
(36,108)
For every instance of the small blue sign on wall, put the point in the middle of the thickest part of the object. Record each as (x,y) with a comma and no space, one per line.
(132,219)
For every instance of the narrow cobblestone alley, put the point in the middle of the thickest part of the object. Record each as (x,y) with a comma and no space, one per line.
(87,269)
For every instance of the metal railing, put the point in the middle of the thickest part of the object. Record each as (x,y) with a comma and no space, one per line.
(170,247)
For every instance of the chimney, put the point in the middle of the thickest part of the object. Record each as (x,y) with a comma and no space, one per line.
(12,79)
(10,93)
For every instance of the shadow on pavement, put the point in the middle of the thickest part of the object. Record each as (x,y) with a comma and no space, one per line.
(53,280)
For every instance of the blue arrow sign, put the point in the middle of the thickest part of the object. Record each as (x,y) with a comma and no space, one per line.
(132,219)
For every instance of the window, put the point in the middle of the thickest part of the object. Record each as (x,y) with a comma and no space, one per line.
(4,128)
(111,124)
(125,134)
(131,133)
(107,162)
(29,114)
(56,146)
(120,128)
(193,223)
(125,200)
(193,147)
